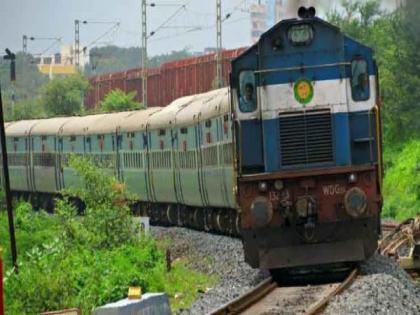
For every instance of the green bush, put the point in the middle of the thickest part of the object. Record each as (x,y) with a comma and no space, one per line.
(117,101)
(107,221)
(402,182)
(70,261)
(32,229)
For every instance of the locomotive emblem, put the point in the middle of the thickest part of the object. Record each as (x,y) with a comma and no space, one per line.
(304,91)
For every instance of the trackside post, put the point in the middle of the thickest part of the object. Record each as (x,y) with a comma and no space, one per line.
(1,286)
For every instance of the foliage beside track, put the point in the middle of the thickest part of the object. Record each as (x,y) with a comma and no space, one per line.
(402,182)
(70,261)
(118,101)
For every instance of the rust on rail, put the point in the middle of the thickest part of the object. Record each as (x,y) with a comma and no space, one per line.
(247,299)
(319,306)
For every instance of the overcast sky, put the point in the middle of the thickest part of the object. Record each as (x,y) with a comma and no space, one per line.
(55,18)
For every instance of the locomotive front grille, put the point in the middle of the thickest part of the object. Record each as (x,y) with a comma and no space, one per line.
(306,137)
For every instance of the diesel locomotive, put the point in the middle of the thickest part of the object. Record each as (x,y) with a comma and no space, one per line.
(289,156)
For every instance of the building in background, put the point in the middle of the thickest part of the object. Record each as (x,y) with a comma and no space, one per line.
(264,16)
(279,10)
(61,63)
(258,21)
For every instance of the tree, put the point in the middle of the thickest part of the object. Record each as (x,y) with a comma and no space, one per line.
(25,109)
(117,101)
(112,58)
(28,78)
(64,95)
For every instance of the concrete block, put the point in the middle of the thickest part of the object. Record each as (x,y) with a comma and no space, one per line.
(149,304)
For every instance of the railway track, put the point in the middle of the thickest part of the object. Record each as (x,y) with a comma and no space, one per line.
(270,298)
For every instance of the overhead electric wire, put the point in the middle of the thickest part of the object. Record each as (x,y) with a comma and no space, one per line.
(103,35)
(203,28)
(183,7)
(56,41)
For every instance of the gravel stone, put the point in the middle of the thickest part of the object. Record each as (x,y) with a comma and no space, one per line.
(215,255)
(384,288)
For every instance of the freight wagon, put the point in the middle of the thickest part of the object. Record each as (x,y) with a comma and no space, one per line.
(164,84)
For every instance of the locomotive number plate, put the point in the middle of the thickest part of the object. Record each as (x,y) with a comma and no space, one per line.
(332,190)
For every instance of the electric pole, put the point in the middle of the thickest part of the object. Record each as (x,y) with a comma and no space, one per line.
(24,44)
(12,57)
(76,43)
(144,52)
(219,57)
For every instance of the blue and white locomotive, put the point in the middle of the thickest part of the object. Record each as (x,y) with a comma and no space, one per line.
(307,125)
(289,157)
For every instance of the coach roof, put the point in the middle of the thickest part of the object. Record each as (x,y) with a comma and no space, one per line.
(49,127)
(79,125)
(166,117)
(137,120)
(21,128)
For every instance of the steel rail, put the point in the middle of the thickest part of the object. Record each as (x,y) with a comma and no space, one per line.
(319,306)
(249,298)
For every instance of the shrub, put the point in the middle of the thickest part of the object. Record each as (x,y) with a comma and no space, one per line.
(117,101)
(86,261)
(402,183)
(107,221)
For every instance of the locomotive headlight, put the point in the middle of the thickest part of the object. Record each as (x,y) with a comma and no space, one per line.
(352,178)
(278,184)
(262,186)
(302,207)
(261,212)
(355,202)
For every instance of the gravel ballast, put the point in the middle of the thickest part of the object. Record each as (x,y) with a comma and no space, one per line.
(217,255)
(383,288)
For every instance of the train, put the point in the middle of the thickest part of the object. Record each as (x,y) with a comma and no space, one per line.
(165,83)
(289,156)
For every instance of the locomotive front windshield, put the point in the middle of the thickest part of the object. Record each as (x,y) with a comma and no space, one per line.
(247,97)
(301,34)
(359,80)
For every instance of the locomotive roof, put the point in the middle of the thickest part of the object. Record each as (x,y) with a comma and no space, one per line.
(49,127)
(137,120)
(21,128)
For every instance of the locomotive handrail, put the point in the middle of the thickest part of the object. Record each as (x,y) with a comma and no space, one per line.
(327,65)
(379,144)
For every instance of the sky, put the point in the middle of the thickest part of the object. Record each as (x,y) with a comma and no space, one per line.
(193,27)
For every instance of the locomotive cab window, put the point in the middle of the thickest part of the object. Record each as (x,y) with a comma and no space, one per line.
(300,35)
(360,88)
(247,92)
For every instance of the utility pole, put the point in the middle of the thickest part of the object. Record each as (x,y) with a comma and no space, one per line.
(12,57)
(219,57)
(76,43)
(144,52)
(25,44)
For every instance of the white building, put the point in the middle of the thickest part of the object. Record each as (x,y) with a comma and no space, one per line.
(62,62)
(258,21)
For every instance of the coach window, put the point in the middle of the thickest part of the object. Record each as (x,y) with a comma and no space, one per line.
(360,80)
(247,92)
